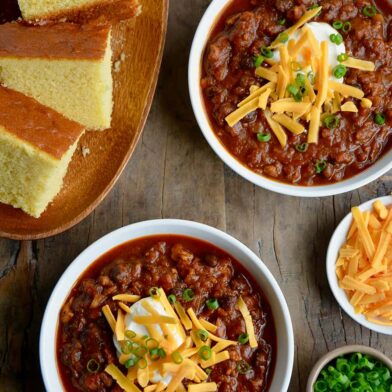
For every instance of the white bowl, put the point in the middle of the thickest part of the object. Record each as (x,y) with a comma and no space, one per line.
(280,311)
(337,240)
(194,74)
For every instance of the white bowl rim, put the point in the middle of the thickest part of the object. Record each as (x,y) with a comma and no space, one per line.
(47,343)
(337,240)
(207,22)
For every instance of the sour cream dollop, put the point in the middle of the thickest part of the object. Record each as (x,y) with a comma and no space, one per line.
(137,309)
(322,32)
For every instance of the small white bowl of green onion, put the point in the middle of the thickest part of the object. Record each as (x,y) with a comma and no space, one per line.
(352,369)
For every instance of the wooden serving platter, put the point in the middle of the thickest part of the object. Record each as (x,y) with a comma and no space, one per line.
(93,174)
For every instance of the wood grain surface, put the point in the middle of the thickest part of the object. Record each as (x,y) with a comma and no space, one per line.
(101,156)
(174,174)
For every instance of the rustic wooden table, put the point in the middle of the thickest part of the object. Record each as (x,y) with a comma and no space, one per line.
(175,174)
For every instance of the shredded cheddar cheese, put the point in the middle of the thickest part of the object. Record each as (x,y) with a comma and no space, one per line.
(364,264)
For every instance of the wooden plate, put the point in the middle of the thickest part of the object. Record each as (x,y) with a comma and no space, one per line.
(91,177)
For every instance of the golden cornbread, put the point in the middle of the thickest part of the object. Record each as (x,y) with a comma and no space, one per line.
(64,66)
(79,10)
(36,146)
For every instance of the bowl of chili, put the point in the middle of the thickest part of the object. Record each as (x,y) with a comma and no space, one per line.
(146,258)
(351,368)
(234,38)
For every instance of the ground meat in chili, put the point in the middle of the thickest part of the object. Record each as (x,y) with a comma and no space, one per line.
(228,73)
(173,263)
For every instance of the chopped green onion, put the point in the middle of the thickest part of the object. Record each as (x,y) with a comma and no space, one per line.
(303,147)
(369,10)
(342,57)
(130,334)
(320,166)
(208,371)
(130,363)
(141,363)
(292,89)
(126,347)
(300,79)
(202,334)
(267,53)
(140,351)
(336,38)
(338,24)
(243,367)
(154,354)
(172,299)
(379,119)
(321,386)
(258,61)
(283,37)
(213,303)
(314,6)
(331,121)
(161,352)
(151,343)
(339,71)
(188,295)
(176,357)
(154,292)
(243,338)
(93,366)
(263,137)
(281,21)
(346,27)
(144,337)
(205,353)
(310,77)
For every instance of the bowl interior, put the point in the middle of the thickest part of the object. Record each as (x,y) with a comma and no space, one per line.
(337,240)
(194,72)
(281,315)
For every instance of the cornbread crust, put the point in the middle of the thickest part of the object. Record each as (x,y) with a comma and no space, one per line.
(36,124)
(99,10)
(62,41)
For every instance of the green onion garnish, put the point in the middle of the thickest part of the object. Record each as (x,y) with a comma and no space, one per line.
(126,347)
(292,89)
(243,338)
(320,166)
(208,371)
(310,77)
(314,6)
(129,334)
(331,121)
(337,39)
(339,71)
(258,61)
(205,353)
(141,363)
(300,79)
(130,363)
(202,334)
(161,352)
(176,357)
(355,373)
(263,137)
(172,299)
(188,295)
(281,21)
(338,24)
(151,343)
(213,303)
(342,57)
(140,351)
(369,10)
(346,27)
(154,354)
(243,367)
(283,37)
(379,119)
(303,147)
(154,292)
(92,366)
(267,53)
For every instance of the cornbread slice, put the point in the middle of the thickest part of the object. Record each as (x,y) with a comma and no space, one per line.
(79,10)
(64,66)
(36,146)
